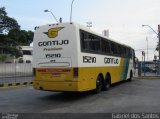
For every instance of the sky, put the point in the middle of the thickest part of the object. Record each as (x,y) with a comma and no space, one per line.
(123,18)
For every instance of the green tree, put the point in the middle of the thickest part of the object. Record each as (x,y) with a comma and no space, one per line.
(7,23)
(7,45)
(21,37)
(11,37)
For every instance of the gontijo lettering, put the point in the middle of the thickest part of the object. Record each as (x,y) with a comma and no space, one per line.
(53,43)
(111,60)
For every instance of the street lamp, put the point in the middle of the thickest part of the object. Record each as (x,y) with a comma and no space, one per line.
(151,28)
(52,15)
(71,11)
(158,34)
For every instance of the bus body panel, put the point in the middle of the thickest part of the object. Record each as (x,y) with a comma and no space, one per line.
(85,81)
(57,57)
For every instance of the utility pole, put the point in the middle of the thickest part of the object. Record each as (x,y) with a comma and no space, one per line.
(143,62)
(159,49)
(147,47)
(159,40)
(71,12)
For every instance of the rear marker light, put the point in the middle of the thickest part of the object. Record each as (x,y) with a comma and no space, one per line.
(75,72)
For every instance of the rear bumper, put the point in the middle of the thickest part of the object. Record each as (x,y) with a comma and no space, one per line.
(57,86)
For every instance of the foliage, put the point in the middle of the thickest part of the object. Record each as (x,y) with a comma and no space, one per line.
(7,23)
(11,37)
(9,46)
(3,57)
(21,37)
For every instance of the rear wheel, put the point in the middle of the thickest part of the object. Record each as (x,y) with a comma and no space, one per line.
(107,83)
(99,85)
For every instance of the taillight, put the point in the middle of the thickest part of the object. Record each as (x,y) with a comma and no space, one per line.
(75,72)
(34,72)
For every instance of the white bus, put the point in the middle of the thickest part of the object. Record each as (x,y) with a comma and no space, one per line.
(71,57)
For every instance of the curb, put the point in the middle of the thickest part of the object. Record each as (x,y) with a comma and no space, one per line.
(15,84)
(13,76)
(148,77)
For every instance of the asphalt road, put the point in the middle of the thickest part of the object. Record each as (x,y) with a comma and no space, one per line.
(136,96)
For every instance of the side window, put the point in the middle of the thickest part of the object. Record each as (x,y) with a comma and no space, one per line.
(128,53)
(97,44)
(108,47)
(105,46)
(119,50)
(113,48)
(94,43)
(91,42)
(84,40)
(124,51)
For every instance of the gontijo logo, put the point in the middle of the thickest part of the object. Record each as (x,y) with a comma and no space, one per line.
(53,32)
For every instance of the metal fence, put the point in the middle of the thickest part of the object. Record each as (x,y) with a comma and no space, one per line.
(149,68)
(15,72)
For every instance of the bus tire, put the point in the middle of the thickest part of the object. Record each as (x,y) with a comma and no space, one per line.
(99,84)
(107,83)
(131,76)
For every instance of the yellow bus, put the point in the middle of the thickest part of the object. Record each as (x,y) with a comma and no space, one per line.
(71,57)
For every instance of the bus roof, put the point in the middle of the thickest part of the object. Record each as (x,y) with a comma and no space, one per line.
(85,29)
